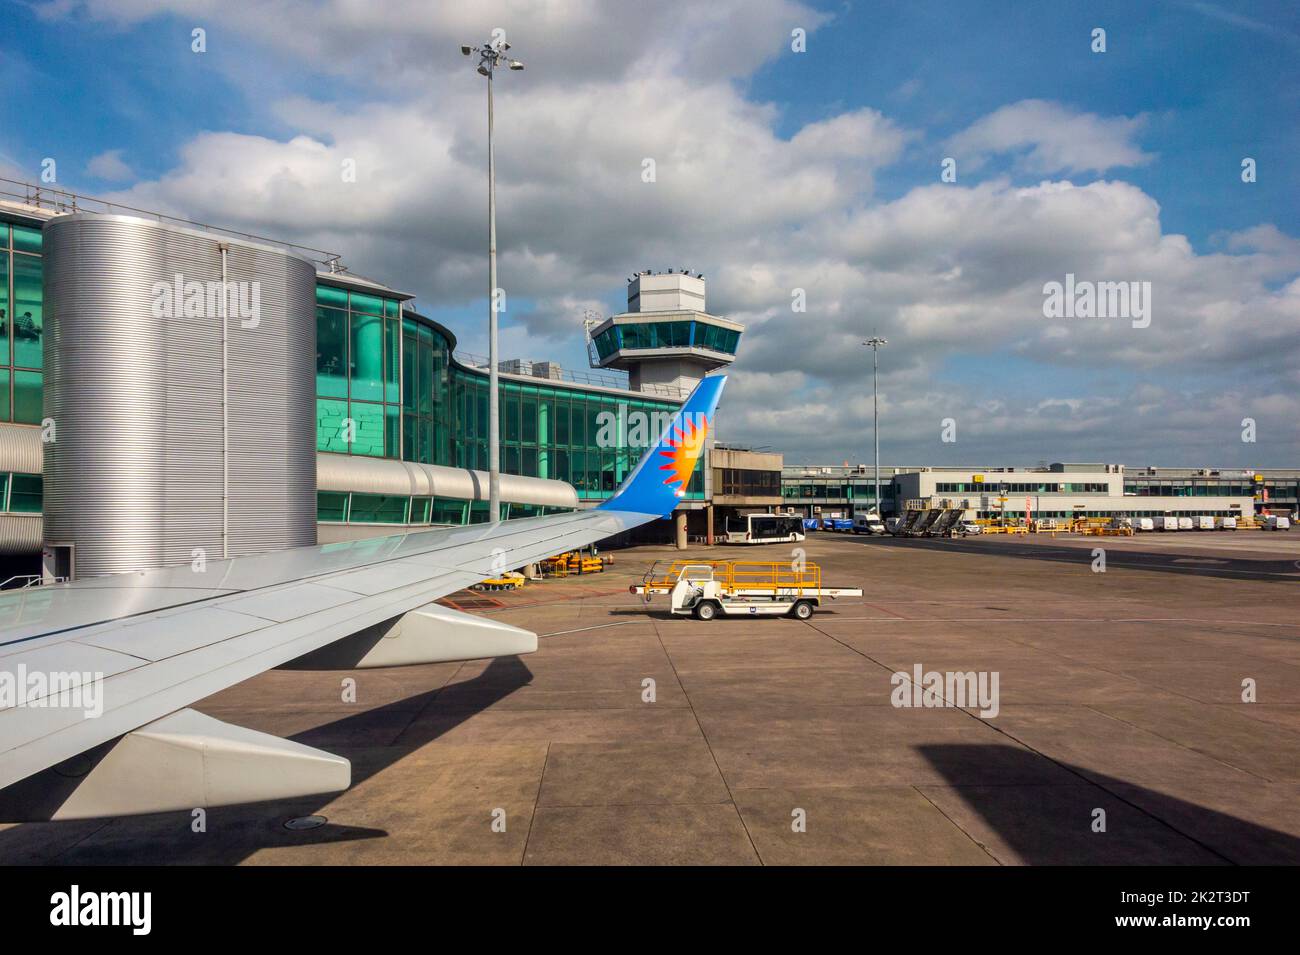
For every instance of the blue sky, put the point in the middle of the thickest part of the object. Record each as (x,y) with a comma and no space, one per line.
(817,170)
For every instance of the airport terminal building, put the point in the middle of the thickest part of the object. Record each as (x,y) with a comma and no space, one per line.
(172,392)
(1055,491)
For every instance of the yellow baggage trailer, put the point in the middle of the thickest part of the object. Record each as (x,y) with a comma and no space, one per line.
(740,588)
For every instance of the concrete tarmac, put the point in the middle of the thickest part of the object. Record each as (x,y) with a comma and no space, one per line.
(1121,733)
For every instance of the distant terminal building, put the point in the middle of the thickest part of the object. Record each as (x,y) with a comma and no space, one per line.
(169,389)
(1056,491)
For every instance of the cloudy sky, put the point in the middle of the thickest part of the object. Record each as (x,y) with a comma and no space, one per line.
(776,169)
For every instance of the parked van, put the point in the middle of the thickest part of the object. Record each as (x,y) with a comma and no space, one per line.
(1186,524)
(1166,523)
(1275,522)
(868,524)
(1144,524)
(1229,524)
(1204,523)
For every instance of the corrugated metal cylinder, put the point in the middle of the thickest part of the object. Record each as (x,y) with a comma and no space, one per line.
(135,476)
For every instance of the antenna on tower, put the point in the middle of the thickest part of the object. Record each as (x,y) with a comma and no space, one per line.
(590,319)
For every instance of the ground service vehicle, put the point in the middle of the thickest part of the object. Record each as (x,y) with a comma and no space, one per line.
(734,588)
(1276,522)
(764,529)
(868,524)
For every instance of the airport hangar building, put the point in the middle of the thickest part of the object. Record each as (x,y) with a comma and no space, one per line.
(137,430)
(1054,491)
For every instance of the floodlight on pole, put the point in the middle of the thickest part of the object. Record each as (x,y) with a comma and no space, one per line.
(875,344)
(491,56)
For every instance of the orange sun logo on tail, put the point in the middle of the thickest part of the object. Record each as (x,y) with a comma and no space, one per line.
(685,448)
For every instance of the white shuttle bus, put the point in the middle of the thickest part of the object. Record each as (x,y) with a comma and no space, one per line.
(764,529)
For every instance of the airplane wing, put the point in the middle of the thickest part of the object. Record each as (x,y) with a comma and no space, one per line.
(96,675)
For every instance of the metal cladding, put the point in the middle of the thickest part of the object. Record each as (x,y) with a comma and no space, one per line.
(20,534)
(341,472)
(20,448)
(144,452)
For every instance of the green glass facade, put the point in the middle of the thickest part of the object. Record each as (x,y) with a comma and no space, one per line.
(549,431)
(23,323)
(387,380)
(683,334)
(386,386)
(358,373)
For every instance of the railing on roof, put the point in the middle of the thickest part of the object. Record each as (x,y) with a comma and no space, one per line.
(64,202)
(616,381)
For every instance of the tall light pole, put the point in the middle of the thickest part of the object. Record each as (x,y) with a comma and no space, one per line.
(490,56)
(875,345)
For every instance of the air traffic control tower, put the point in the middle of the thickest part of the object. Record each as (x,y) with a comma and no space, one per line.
(665,341)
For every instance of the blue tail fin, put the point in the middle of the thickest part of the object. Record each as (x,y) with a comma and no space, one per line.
(659,480)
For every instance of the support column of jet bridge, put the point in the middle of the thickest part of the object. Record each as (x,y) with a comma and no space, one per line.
(180,395)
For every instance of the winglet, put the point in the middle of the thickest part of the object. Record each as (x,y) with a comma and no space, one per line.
(659,480)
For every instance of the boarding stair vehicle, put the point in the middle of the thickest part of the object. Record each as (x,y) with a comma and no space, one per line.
(922,527)
(945,525)
(735,588)
(907,522)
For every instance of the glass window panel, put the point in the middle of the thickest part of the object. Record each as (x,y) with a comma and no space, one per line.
(4,307)
(529,410)
(410,351)
(368,422)
(545,420)
(420,507)
(478,512)
(392,361)
(331,296)
(378,509)
(27,314)
(26,239)
(424,384)
(27,396)
(408,437)
(510,414)
(391,308)
(426,448)
(4,396)
(578,437)
(370,304)
(529,462)
(392,432)
(330,415)
(560,417)
(4,235)
(331,353)
(331,506)
(448,510)
(578,466)
(25,493)
(367,358)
